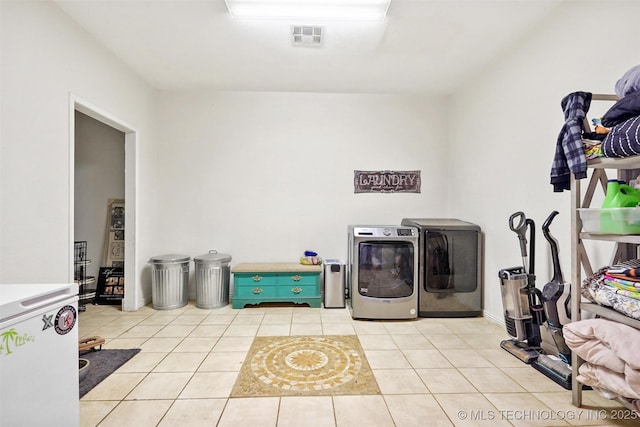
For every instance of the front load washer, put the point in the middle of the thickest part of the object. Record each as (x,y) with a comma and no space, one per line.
(382,272)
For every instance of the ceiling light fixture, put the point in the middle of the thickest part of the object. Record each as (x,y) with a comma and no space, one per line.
(331,10)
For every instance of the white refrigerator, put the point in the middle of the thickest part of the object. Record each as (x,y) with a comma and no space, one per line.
(39,355)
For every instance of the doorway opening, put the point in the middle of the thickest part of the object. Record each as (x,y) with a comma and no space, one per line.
(121,181)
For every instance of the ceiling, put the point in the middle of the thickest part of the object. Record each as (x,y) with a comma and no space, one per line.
(424,46)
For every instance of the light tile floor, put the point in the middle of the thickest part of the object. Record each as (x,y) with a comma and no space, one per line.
(431,372)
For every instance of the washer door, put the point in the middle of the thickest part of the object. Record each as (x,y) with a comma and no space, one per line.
(385,269)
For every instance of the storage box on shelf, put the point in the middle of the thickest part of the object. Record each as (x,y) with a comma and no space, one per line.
(255,283)
(610,220)
(612,225)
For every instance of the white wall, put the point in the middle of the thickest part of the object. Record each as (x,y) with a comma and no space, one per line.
(45,57)
(505,123)
(266,176)
(99,177)
(260,176)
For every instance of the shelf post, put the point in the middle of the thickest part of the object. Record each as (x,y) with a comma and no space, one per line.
(576,268)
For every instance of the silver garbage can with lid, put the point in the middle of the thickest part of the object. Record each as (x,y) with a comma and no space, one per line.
(169,281)
(212,279)
(334,284)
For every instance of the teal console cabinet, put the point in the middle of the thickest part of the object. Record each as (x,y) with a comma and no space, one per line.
(254,283)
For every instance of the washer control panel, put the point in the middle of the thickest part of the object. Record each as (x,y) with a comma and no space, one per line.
(385,231)
(406,232)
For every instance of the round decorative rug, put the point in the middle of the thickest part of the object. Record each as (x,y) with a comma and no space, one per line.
(305,366)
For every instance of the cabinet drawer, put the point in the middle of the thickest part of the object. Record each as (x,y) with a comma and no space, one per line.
(297,291)
(262,279)
(255,291)
(298,279)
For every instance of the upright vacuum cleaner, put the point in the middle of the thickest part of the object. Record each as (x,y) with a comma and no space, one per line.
(534,318)
(556,297)
(522,301)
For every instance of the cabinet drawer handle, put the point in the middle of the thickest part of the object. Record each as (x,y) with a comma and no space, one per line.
(256,278)
(296,278)
(296,290)
(256,290)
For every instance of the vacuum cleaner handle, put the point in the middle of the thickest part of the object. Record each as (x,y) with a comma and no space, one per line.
(557,271)
(520,228)
(547,223)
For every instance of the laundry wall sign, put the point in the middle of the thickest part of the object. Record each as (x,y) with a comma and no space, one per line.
(386,181)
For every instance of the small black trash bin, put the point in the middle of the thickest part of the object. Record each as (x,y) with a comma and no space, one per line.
(334,285)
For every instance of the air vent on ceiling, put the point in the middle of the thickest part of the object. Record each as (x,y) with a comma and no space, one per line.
(306,35)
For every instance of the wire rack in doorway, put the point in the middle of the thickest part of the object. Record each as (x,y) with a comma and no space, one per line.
(83,280)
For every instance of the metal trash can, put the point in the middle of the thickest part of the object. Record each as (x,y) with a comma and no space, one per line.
(334,284)
(169,281)
(212,279)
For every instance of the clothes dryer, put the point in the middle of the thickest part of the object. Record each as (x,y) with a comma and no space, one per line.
(450,267)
